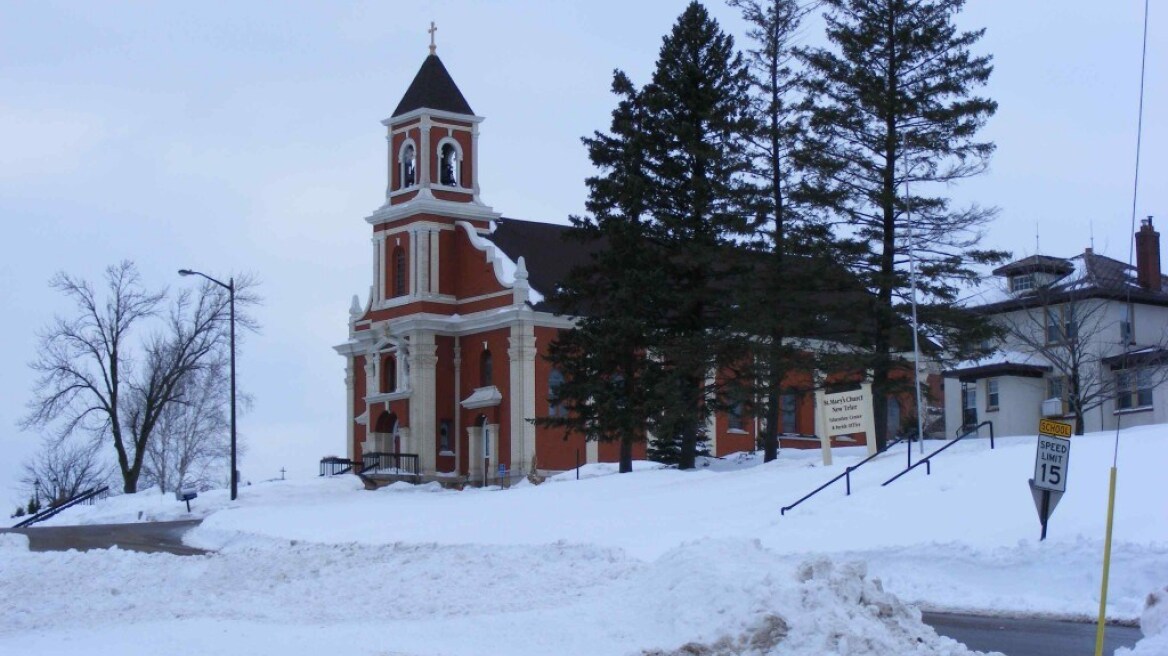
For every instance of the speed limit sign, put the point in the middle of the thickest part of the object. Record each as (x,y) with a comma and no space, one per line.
(1050,464)
(1050,468)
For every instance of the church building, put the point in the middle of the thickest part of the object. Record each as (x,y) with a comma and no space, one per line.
(444,366)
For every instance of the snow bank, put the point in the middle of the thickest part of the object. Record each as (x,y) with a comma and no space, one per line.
(13,542)
(659,560)
(1154,626)
(735,597)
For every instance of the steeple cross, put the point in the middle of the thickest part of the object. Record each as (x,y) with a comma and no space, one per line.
(432,30)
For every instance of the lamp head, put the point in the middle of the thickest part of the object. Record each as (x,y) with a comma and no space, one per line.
(185,272)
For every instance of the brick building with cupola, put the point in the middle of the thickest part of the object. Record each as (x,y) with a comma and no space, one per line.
(444,361)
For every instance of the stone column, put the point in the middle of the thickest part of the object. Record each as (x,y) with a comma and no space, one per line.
(378,269)
(350,380)
(458,454)
(433,238)
(521,355)
(423,427)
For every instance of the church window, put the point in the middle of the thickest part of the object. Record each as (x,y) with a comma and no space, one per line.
(444,436)
(735,417)
(408,165)
(788,413)
(486,369)
(556,407)
(389,375)
(399,271)
(449,169)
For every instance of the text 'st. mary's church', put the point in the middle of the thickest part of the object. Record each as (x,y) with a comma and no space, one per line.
(444,360)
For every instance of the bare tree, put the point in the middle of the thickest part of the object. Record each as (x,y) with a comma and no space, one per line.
(113,369)
(191,442)
(63,468)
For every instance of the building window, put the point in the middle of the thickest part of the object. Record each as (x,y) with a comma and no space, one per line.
(1127,334)
(556,407)
(734,418)
(444,436)
(486,369)
(449,169)
(389,375)
(408,165)
(1022,283)
(1060,324)
(399,271)
(992,394)
(969,404)
(1057,388)
(788,413)
(1133,389)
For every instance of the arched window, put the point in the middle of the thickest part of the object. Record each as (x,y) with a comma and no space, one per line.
(486,369)
(448,171)
(408,165)
(399,271)
(389,375)
(556,407)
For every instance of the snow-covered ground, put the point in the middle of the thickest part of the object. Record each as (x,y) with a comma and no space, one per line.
(611,564)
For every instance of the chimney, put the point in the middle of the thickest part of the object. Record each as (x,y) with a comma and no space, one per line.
(1148,257)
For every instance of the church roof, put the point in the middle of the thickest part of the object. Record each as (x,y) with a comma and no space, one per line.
(433,88)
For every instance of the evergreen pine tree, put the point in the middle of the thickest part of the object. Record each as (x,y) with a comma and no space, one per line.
(697,118)
(606,374)
(790,242)
(892,105)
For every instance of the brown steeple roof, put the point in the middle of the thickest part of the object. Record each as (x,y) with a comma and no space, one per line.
(433,88)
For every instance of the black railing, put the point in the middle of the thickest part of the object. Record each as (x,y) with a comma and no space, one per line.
(847,476)
(83,497)
(972,430)
(403,464)
(333,465)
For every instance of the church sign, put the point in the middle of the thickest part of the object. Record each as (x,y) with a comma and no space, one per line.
(845,413)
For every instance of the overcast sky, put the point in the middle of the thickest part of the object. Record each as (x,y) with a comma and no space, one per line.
(245,136)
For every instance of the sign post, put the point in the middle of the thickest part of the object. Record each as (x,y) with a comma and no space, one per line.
(843,413)
(1051,461)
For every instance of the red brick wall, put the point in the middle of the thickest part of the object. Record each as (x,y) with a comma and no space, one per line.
(358,403)
(472,347)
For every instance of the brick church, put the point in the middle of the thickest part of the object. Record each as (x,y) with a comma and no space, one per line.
(444,360)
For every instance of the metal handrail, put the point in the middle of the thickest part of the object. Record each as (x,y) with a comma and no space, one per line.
(847,475)
(335,466)
(381,460)
(68,503)
(925,461)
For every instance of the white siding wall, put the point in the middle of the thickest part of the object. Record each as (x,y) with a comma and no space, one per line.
(1021,398)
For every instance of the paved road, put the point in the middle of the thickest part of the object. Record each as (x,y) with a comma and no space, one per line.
(1029,637)
(1011,636)
(150,537)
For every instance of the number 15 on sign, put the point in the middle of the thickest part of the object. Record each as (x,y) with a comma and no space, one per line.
(1050,463)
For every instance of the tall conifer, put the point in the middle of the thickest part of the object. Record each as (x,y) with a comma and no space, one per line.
(698,193)
(605,393)
(893,105)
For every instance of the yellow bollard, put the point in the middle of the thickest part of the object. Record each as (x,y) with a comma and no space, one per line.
(1099,629)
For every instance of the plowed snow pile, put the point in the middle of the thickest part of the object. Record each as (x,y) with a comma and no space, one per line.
(659,561)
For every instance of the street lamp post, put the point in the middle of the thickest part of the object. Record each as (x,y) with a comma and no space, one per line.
(230,287)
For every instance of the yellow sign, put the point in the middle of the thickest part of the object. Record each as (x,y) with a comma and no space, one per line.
(1054,428)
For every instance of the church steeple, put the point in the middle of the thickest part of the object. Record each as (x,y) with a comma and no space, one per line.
(433,88)
(433,142)
(433,136)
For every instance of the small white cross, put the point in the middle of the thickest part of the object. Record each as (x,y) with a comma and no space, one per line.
(432,30)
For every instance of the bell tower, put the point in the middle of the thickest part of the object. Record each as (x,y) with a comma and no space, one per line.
(432,140)
(431,187)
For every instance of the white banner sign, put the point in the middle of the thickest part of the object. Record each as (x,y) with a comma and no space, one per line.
(845,413)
